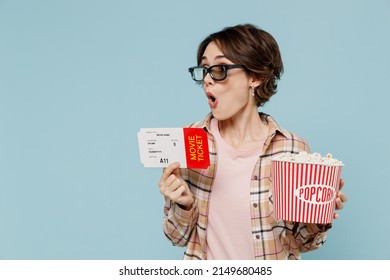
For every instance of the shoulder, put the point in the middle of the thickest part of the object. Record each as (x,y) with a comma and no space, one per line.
(205,123)
(285,141)
(288,142)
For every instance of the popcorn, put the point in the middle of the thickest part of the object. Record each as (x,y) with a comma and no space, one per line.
(305,157)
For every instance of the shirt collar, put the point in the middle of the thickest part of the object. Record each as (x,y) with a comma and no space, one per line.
(272,124)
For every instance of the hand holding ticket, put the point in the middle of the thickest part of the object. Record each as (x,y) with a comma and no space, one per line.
(160,147)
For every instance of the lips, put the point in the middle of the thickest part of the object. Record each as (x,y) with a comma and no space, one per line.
(212,100)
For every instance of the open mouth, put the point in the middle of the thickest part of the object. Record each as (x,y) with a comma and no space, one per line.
(212,100)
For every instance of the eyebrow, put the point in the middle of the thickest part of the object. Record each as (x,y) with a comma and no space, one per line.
(217,57)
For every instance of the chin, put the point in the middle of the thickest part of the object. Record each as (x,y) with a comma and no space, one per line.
(220,117)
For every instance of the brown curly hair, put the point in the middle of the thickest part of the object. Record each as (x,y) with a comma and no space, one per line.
(255,49)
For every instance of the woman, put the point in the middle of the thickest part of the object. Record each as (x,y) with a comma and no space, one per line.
(225,211)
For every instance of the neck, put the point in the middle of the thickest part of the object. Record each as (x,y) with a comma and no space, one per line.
(244,130)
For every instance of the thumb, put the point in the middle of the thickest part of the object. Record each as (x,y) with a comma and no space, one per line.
(176,171)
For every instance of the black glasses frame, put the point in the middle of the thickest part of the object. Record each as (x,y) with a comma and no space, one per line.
(208,70)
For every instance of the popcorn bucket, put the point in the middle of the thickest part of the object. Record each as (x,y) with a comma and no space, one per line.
(304,192)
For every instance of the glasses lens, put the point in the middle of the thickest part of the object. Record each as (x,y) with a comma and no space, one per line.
(218,72)
(198,73)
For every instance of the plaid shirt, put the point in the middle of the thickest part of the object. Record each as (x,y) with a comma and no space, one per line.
(272,239)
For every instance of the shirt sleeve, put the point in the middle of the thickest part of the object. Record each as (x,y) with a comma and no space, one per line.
(179,223)
(311,236)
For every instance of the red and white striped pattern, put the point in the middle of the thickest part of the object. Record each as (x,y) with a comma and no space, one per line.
(304,192)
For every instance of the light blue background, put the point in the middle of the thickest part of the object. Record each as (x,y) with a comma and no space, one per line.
(79,78)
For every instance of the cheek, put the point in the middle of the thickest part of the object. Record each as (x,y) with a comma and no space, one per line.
(234,99)
(240,84)
(240,91)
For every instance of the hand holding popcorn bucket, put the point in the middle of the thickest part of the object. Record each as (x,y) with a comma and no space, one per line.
(305,187)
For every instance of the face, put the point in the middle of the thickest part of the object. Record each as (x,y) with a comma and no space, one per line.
(232,96)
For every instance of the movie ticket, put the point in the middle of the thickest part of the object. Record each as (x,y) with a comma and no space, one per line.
(160,147)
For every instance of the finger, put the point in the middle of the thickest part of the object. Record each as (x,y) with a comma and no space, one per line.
(177,171)
(342,197)
(339,204)
(170,180)
(183,197)
(168,190)
(177,183)
(177,193)
(335,216)
(168,171)
(166,186)
(341,184)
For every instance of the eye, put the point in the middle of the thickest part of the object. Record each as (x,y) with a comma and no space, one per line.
(219,69)
(218,72)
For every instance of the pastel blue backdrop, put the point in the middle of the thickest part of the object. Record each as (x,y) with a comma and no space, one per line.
(79,78)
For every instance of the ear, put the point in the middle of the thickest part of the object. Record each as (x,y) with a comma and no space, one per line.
(255,82)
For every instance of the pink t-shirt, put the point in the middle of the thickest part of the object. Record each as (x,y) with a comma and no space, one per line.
(229,231)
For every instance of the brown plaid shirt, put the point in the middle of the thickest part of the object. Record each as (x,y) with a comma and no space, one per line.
(272,239)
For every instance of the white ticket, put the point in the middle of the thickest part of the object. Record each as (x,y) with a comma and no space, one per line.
(160,147)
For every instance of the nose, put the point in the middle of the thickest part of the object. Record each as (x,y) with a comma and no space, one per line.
(207,79)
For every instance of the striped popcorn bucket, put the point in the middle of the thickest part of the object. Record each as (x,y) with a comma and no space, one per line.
(304,192)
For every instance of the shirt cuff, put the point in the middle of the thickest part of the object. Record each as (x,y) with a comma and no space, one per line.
(324,227)
(183,216)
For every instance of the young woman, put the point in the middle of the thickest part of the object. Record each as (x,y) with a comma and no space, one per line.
(225,211)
